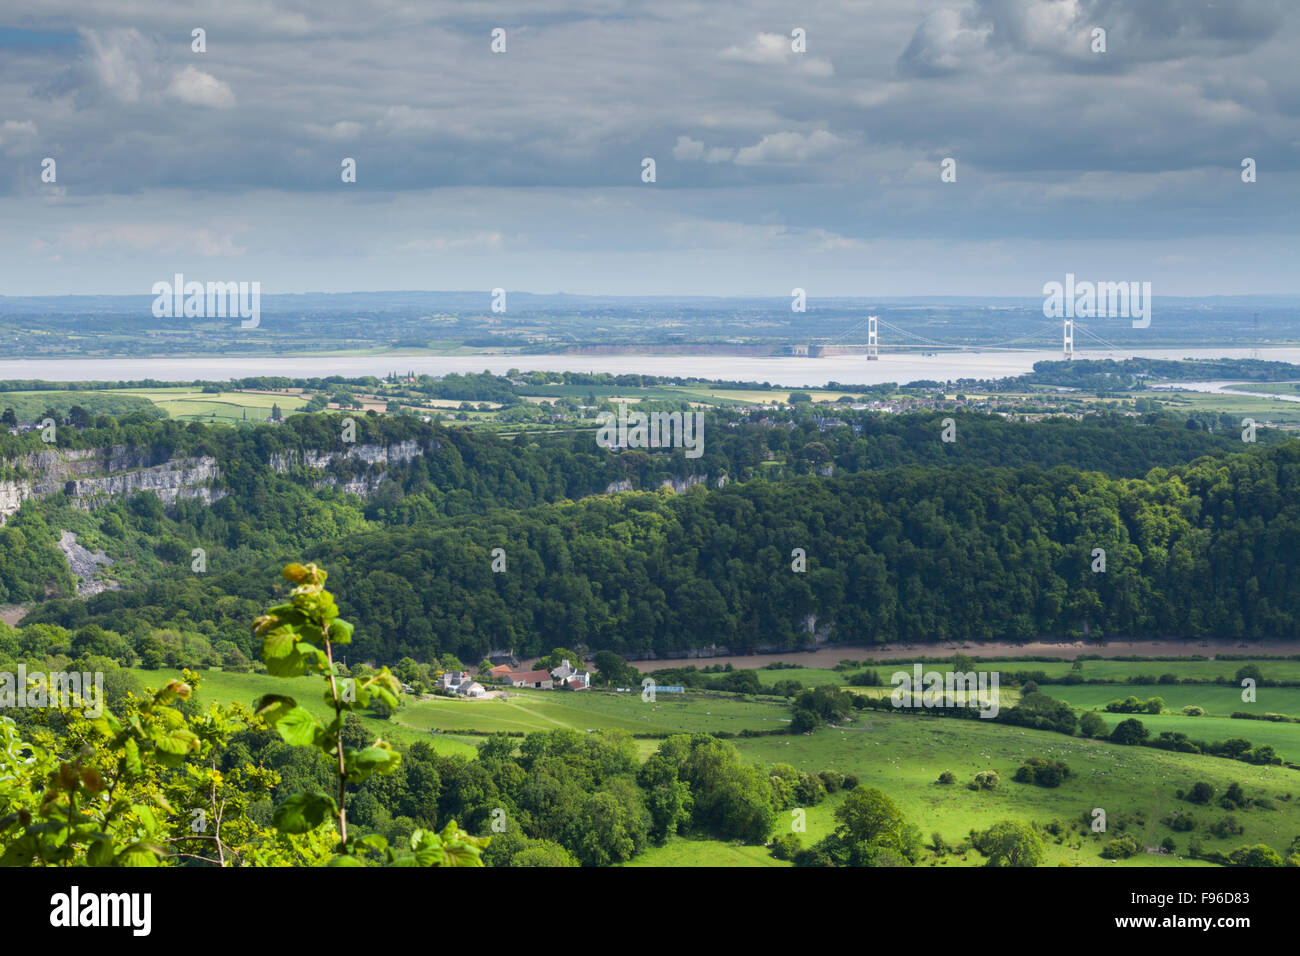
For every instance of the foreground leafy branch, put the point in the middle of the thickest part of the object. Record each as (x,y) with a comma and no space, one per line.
(299,638)
(102,805)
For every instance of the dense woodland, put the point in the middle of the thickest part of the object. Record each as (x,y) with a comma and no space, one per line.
(910,539)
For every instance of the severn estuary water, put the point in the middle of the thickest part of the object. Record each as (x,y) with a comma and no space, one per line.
(790,371)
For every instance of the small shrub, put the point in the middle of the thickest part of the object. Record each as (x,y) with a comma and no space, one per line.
(787,846)
(1227,827)
(1121,848)
(1201,793)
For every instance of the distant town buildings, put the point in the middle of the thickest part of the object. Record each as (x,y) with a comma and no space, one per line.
(461,684)
(564,677)
(538,680)
(568,676)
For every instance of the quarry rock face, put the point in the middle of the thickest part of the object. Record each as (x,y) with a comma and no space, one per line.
(83,563)
(364,465)
(680,485)
(382,455)
(90,475)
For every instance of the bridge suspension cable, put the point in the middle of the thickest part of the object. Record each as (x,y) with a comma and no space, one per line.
(1110,345)
(1044,331)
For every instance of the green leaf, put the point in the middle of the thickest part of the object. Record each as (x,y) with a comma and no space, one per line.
(107,724)
(360,764)
(287,614)
(173,746)
(292,666)
(460,853)
(131,756)
(360,695)
(100,851)
(278,643)
(298,726)
(303,812)
(384,694)
(427,847)
(340,631)
(371,841)
(171,691)
(273,706)
(140,854)
(344,859)
(148,819)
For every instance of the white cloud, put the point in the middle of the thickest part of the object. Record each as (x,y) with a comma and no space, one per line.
(191,85)
(764,48)
(767,49)
(343,129)
(688,148)
(693,149)
(781,148)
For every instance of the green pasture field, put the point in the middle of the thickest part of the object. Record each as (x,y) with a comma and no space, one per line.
(597,710)
(758,396)
(226,687)
(903,755)
(1120,671)
(1216,699)
(1245,406)
(191,404)
(900,754)
(525,711)
(704,394)
(1007,696)
(1284,738)
(1109,670)
(807,676)
(683,852)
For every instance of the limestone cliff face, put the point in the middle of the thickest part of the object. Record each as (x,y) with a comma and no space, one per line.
(679,485)
(382,455)
(89,476)
(92,476)
(170,481)
(362,466)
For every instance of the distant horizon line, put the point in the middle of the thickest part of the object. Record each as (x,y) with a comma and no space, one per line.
(655,296)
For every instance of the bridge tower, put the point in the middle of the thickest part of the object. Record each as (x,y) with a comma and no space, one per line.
(1069,339)
(873,342)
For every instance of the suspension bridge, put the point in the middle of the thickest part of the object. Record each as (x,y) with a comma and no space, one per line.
(1063,332)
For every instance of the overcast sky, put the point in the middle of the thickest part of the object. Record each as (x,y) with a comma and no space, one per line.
(775,169)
